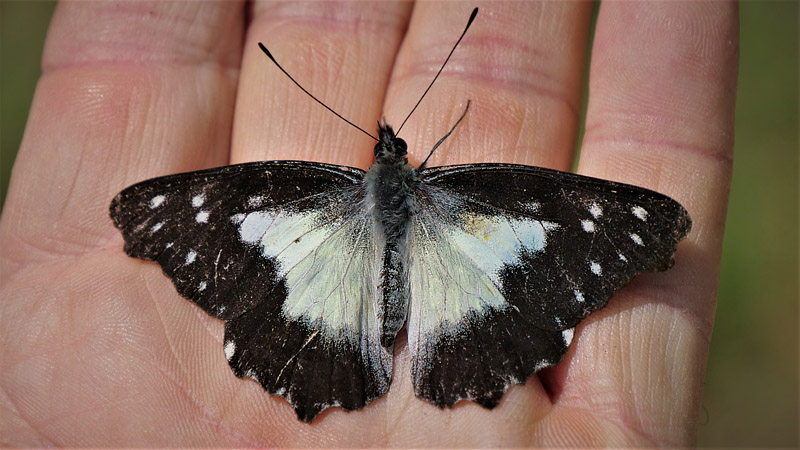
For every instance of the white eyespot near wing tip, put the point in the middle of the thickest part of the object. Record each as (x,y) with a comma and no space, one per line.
(191,256)
(588,226)
(202,217)
(635,238)
(595,210)
(568,335)
(596,268)
(198,200)
(640,213)
(230,349)
(157,201)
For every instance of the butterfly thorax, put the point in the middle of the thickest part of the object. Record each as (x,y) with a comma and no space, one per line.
(391,182)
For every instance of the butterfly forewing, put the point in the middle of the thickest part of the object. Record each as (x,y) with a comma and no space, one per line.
(535,251)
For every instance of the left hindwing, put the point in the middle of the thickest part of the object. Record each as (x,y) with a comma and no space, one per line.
(505,260)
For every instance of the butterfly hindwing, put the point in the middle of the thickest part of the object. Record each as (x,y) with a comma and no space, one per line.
(260,246)
(527,253)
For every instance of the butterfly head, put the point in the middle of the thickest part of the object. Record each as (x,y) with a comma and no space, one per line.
(390,149)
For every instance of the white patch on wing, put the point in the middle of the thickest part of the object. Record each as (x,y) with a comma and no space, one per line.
(596,268)
(635,238)
(237,218)
(198,200)
(202,286)
(190,257)
(595,210)
(230,349)
(494,242)
(156,227)
(201,217)
(588,226)
(640,213)
(454,270)
(578,295)
(330,264)
(568,335)
(622,257)
(157,201)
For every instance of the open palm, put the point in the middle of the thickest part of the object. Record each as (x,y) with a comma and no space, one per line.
(99,349)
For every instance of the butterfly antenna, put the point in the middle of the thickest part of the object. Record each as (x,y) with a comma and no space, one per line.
(469,22)
(444,137)
(272,58)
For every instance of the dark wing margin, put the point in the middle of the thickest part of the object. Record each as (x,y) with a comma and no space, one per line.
(574,241)
(203,229)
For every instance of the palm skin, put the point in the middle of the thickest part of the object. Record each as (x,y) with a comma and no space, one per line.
(99,349)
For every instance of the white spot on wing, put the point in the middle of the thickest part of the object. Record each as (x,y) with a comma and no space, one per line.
(588,226)
(568,335)
(156,201)
(578,295)
(596,268)
(190,257)
(635,238)
(198,200)
(640,213)
(202,286)
(237,218)
(595,210)
(169,245)
(255,201)
(201,217)
(622,257)
(230,349)
(156,227)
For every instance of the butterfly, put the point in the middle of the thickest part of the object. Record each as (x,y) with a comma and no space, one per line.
(315,268)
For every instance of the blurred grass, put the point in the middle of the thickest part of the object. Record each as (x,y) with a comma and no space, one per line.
(751,393)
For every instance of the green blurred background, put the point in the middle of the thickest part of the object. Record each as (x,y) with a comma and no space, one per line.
(751,393)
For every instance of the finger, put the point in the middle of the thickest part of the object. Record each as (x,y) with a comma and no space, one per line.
(524,82)
(128,91)
(660,116)
(340,52)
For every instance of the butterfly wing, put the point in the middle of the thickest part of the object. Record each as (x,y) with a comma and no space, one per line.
(506,260)
(260,246)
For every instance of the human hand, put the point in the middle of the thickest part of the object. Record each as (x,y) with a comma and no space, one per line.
(99,349)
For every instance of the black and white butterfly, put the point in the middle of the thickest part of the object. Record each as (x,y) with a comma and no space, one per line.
(315,268)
